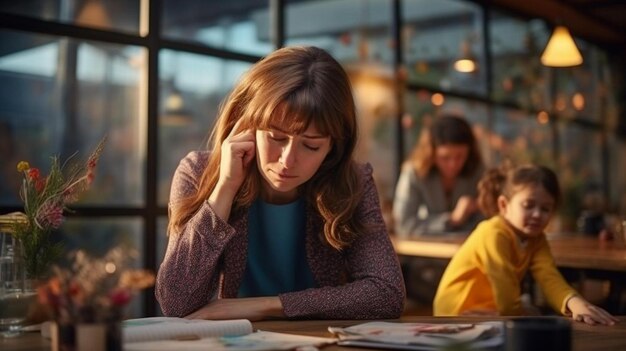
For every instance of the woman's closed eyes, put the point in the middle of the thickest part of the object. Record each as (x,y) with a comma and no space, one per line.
(282,138)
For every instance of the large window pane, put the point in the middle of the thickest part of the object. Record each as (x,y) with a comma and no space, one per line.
(580,169)
(117,15)
(241,25)
(192,87)
(353,31)
(617,175)
(60,96)
(521,138)
(585,92)
(436,35)
(518,76)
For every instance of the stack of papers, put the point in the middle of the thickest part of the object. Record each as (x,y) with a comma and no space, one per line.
(421,336)
(169,333)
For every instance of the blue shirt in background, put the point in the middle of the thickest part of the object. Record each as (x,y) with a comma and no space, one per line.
(276,250)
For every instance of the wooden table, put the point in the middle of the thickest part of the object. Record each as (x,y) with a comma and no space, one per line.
(585,337)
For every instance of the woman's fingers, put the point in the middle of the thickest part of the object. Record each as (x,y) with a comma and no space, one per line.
(238,149)
(233,131)
(243,146)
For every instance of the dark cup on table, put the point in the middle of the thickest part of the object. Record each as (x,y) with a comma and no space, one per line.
(538,334)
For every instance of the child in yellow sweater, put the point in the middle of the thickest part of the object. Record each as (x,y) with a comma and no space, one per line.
(484,276)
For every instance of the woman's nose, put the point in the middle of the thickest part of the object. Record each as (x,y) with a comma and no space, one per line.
(288,155)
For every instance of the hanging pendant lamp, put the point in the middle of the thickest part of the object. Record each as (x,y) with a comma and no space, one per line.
(561,50)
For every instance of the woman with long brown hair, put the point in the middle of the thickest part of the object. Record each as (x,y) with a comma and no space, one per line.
(278,220)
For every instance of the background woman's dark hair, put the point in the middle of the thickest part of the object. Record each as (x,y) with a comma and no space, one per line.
(506,180)
(446,130)
(449,129)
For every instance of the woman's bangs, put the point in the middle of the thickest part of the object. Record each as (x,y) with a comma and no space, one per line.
(288,119)
(295,119)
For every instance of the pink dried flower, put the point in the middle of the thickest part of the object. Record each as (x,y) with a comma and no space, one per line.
(120,297)
(90,176)
(40,184)
(50,215)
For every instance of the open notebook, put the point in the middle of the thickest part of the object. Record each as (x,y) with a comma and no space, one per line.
(172,328)
(170,333)
(421,336)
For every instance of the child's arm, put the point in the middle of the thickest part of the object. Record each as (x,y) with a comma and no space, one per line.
(583,311)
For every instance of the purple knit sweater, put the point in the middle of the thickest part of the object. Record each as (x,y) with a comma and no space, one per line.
(207,260)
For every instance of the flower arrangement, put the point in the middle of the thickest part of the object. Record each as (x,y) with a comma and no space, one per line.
(93,289)
(45,198)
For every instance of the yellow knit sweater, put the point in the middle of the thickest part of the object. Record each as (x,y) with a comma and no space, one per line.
(487,271)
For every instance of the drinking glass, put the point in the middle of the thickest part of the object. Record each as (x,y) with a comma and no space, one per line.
(16,296)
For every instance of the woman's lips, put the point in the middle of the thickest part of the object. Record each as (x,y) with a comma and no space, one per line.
(284,175)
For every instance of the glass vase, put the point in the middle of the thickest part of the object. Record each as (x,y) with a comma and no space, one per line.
(17,294)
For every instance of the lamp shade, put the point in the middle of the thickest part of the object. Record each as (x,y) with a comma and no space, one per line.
(465,65)
(466,62)
(561,50)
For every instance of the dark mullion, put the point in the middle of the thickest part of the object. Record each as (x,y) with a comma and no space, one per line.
(277,23)
(113,211)
(487,50)
(29,24)
(202,49)
(398,66)
(150,227)
(489,76)
(468,96)
(91,210)
(33,25)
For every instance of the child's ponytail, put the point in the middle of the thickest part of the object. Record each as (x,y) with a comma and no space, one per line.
(490,187)
(504,180)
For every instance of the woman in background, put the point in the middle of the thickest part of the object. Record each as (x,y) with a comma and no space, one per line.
(278,220)
(436,191)
(435,194)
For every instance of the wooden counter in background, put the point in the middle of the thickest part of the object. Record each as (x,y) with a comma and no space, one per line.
(588,256)
(569,250)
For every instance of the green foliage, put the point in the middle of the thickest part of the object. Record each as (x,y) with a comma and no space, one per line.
(38,250)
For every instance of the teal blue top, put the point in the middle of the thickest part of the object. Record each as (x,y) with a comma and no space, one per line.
(276,250)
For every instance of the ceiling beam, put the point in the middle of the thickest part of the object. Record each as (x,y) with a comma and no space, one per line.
(578,22)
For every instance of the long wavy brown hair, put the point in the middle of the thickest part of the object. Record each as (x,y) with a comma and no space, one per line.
(445,130)
(293,88)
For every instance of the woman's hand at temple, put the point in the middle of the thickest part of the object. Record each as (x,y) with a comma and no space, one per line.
(238,150)
(251,308)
